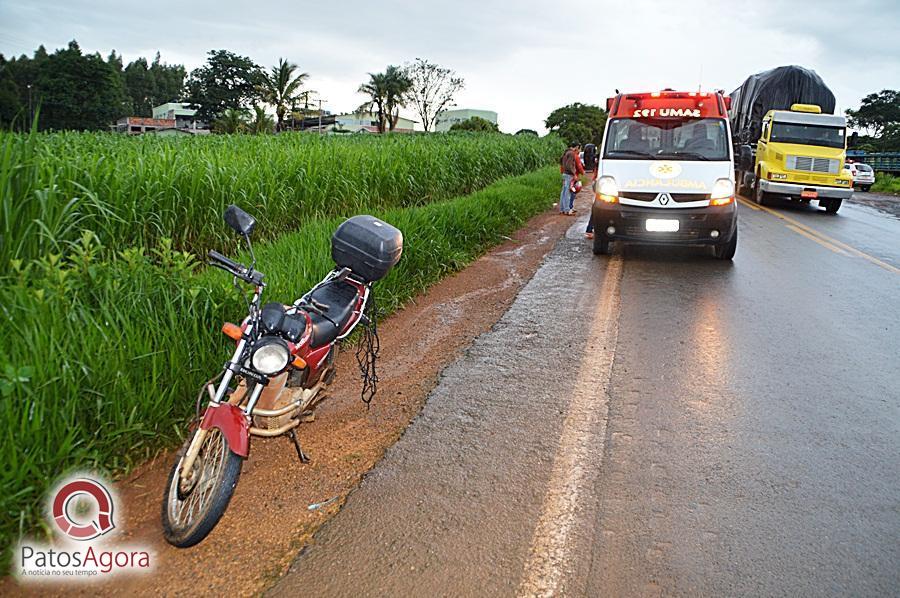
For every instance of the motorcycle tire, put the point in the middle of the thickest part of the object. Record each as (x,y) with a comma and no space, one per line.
(222,481)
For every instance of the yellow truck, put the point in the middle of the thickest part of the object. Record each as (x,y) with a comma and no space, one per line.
(800,156)
(799,151)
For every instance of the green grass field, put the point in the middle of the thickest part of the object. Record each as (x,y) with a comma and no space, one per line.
(112,326)
(137,191)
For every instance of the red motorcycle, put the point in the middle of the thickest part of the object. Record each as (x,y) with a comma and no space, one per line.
(283,361)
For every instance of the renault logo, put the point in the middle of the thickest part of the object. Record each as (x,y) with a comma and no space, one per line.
(664,198)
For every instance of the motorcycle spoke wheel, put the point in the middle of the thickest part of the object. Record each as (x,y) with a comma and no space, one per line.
(190,513)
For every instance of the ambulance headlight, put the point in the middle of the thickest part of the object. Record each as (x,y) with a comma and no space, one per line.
(606,189)
(722,192)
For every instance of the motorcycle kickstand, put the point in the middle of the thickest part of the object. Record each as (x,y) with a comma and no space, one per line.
(304,458)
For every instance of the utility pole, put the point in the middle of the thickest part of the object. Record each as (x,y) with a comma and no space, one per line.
(320,116)
(30,110)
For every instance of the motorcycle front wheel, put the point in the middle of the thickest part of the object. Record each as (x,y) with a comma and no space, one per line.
(192,508)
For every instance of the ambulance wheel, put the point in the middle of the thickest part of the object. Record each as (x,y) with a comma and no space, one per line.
(601,244)
(726,251)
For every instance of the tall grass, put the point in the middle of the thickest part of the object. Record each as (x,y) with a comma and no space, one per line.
(135,191)
(103,351)
(886,183)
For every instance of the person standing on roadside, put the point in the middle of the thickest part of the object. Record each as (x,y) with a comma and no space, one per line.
(579,170)
(568,167)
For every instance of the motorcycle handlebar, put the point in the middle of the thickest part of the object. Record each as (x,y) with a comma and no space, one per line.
(230,264)
(220,261)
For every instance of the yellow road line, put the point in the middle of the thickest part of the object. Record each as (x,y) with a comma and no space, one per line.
(821,242)
(822,238)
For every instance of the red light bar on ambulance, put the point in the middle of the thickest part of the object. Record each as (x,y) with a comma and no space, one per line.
(667,104)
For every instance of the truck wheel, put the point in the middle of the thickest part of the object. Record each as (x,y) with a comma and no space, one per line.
(601,244)
(833,205)
(742,187)
(760,196)
(725,251)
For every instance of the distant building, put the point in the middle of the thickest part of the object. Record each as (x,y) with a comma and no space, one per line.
(173,116)
(368,123)
(136,125)
(179,132)
(448,118)
(350,123)
(183,115)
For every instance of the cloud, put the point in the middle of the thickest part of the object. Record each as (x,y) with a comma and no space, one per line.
(521,59)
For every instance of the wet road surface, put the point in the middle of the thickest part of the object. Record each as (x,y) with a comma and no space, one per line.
(654,423)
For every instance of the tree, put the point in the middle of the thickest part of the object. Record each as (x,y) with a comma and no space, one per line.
(226,81)
(261,123)
(115,64)
(475,123)
(11,108)
(578,122)
(77,91)
(527,132)
(281,88)
(150,85)
(432,89)
(232,120)
(82,91)
(879,115)
(388,92)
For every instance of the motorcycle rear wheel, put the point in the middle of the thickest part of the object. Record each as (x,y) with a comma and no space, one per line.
(190,513)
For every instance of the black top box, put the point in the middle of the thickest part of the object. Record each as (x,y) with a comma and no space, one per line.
(368,246)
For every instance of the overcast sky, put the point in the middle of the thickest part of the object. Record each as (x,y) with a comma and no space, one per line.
(521,58)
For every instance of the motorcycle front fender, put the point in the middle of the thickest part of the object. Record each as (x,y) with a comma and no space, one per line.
(233,424)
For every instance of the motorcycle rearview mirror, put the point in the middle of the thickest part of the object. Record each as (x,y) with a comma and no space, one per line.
(239,220)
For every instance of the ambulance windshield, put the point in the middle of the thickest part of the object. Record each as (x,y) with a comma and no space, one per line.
(672,139)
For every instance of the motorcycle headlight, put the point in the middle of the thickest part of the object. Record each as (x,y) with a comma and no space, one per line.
(270,356)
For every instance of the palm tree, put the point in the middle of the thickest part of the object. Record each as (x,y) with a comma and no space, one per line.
(261,123)
(398,87)
(231,121)
(281,88)
(387,91)
(376,89)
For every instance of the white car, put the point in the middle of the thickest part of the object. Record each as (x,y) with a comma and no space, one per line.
(863,175)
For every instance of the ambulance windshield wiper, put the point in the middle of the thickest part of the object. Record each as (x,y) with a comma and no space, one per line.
(677,154)
(610,153)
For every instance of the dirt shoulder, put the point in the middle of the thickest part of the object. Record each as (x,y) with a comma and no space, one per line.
(269,519)
(885,202)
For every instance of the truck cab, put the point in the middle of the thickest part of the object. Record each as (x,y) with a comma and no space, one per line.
(800,155)
(666,174)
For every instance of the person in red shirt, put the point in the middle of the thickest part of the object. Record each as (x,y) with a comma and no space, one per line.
(571,168)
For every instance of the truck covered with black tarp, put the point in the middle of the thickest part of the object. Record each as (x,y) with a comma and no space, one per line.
(789,144)
(775,89)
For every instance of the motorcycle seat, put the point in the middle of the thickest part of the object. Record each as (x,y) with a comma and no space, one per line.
(340,296)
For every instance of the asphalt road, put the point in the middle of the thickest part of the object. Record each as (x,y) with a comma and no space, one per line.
(654,423)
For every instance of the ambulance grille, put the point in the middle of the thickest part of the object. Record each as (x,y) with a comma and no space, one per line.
(639,195)
(810,164)
(686,197)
